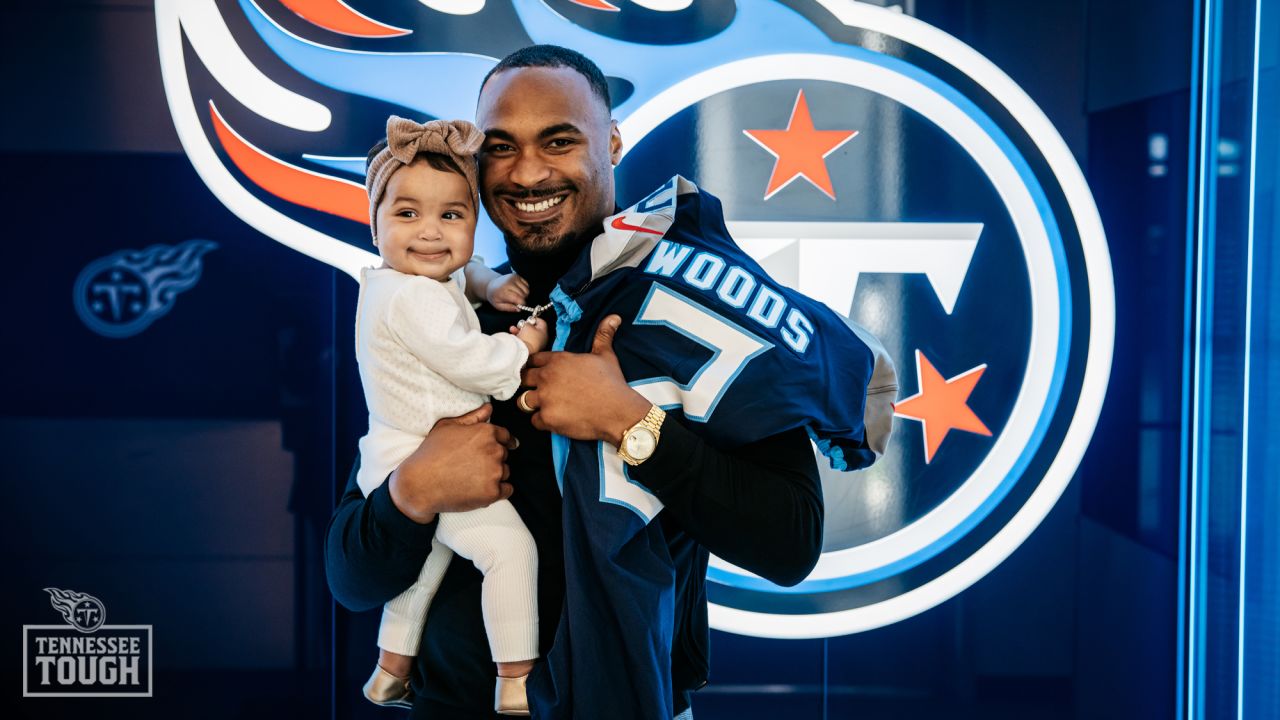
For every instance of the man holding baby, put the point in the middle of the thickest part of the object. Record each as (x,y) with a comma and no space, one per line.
(546,180)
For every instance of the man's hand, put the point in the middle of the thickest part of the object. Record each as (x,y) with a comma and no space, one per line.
(461,465)
(583,395)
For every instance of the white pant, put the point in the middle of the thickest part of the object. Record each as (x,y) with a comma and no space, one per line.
(497,542)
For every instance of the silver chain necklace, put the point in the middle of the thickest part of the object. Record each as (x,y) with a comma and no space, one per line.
(534,312)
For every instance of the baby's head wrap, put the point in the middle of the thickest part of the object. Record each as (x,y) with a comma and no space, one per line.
(457,140)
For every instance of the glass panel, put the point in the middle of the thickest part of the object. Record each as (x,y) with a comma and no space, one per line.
(1228,417)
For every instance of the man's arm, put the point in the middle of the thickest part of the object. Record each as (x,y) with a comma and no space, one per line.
(376,545)
(758,506)
(373,552)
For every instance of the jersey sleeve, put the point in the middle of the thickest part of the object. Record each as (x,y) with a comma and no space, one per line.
(425,319)
(372,551)
(771,486)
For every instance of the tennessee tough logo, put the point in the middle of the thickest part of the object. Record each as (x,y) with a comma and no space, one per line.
(863,157)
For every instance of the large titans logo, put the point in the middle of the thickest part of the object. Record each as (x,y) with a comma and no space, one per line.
(864,157)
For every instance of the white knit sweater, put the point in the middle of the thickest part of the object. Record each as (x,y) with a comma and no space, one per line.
(422,357)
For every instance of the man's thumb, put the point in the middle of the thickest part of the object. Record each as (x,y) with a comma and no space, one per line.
(605,331)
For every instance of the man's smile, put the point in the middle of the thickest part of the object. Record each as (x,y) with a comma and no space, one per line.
(529,207)
(536,210)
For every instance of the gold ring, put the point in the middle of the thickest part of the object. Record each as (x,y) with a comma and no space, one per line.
(522,402)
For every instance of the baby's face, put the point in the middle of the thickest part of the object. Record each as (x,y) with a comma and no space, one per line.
(426,222)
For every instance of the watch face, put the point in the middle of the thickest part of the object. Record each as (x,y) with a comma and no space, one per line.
(640,443)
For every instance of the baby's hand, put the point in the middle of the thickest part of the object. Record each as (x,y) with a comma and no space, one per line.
(533,333)
(507,292)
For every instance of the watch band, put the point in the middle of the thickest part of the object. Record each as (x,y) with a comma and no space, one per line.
(652,420)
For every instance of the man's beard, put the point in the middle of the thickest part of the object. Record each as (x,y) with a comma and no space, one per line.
(540,239)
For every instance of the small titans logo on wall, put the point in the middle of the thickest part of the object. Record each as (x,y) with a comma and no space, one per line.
(85,657)
(864,157)
(120,295)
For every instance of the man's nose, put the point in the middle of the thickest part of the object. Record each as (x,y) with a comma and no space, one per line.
(529,170)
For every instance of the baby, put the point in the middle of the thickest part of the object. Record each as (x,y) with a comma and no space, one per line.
(422,358)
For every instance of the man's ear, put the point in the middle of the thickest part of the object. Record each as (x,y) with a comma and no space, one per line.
(615,143)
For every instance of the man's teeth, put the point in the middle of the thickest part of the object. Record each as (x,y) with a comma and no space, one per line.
(538,206)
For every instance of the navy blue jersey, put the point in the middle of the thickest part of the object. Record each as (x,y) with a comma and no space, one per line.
(707,335)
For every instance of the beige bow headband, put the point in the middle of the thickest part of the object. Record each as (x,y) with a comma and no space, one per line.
(455,139)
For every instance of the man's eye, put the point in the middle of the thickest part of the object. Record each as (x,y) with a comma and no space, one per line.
(561,143)
(499,148)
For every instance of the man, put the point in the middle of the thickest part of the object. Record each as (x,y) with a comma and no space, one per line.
(547,183)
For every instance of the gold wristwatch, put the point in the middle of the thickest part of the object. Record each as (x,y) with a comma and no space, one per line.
(641,440)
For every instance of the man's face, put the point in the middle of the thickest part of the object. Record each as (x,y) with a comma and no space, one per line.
(546,168)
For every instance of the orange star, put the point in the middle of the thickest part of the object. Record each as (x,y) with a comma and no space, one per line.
(942,405)
(800,150)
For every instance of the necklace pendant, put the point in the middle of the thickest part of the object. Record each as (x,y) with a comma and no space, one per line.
(534,312)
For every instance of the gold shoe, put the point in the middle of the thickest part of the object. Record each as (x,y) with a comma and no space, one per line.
(510,698)
(388,690)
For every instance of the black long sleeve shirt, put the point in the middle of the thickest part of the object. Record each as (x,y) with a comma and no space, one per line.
(758,506)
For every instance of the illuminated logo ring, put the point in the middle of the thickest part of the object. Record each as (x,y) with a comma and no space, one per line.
(997,469)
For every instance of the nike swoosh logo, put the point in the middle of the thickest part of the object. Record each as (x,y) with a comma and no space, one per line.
(620,223)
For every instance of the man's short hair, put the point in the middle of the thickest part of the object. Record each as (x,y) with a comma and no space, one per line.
(554,56)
